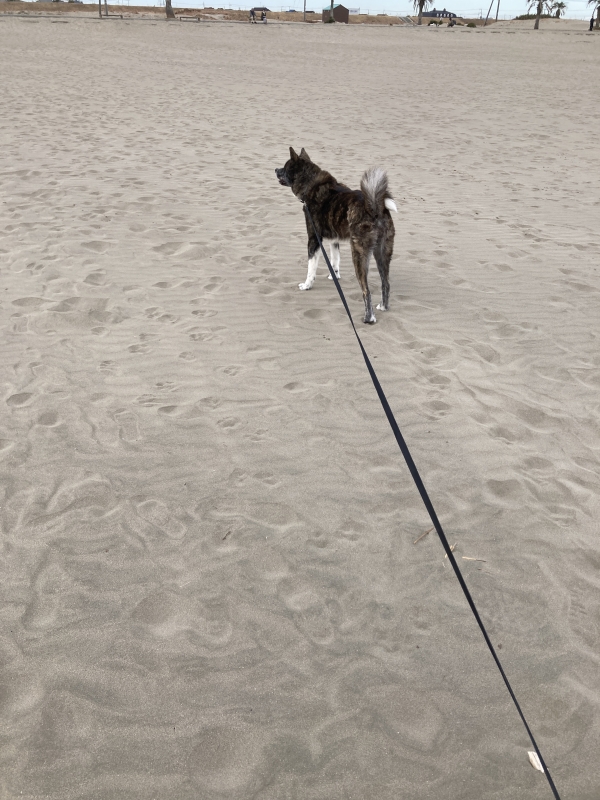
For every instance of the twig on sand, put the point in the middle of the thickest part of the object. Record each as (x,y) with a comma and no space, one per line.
(466,558)
(418,539)
(452,546)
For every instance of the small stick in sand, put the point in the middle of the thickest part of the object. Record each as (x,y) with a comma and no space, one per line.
(452,546)
(418,539)
(467,558)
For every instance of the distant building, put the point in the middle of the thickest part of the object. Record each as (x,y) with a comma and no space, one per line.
(340,13)
(261,8)
(435,13)
(353,11)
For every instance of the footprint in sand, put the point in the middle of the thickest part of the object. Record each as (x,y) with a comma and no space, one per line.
(315,313)
(92,496)
(128,425)
(203,312)
(50,587)
(138,348)
(209,402)
(438,408)
(95,246)
(48,419)
(215,284)
(500,432)
(229,423)
(29,302)
(96,278)
(409,713)
(509,489)
(168,410)
(439,380)
(108,366)
(187,356)
(266,477)
(19,400)
(229,761)
(311,617)
(160,611)
(232,370)
(295,386)
(156,513)
(5,446)
(258,435)
(168,248)
(238,477)
(148,400)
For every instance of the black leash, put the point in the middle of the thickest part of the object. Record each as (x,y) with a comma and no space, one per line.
(430,509)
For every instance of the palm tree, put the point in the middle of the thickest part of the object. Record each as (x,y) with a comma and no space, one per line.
(540,6)
(559,8)
(420,6)
(169,10)
(595,5)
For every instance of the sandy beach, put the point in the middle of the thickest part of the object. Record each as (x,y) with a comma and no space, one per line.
(209,588)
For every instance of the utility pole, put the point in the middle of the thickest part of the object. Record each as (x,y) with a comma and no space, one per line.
(488,14)
(497,10)
(305,10)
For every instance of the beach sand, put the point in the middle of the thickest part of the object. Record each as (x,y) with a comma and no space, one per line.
(209,587)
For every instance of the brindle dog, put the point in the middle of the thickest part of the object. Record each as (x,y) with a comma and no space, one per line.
(362,216)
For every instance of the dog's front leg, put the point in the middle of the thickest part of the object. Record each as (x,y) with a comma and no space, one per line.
(313,263)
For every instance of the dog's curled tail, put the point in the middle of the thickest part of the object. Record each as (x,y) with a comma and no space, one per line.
(374,186)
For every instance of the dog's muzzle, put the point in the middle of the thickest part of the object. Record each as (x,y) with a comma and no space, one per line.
(282,177)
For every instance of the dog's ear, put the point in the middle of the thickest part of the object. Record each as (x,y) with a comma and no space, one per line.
(304,155)
(293,154)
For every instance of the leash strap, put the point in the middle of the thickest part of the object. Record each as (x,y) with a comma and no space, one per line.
(430,509)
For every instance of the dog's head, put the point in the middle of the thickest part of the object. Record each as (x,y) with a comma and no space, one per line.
(295,169)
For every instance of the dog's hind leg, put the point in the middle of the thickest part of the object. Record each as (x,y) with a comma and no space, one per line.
(334,250)
(383,255)
(361,258)
(313,263)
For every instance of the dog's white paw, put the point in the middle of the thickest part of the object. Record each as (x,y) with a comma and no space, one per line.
(304,287)
(337,275)
(381,308)
(370,321)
